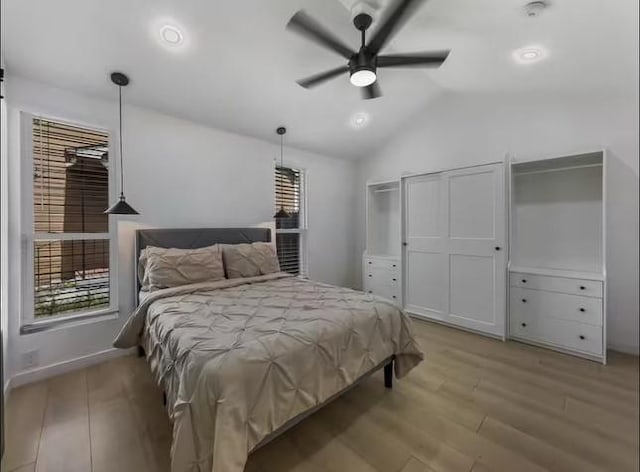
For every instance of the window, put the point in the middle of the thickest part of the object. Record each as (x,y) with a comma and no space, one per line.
(68,242)
(291,231)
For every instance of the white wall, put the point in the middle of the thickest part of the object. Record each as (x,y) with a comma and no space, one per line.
(460,130)
(3,237)
(177,174)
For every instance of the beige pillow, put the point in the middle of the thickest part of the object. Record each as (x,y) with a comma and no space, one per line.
(142,270)
(170,267)
(250,260)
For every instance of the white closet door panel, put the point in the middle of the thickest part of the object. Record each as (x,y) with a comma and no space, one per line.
(426,285)
(424,199)
(472,291)
(475,240)
(454,221)
(472,212)
(426,265)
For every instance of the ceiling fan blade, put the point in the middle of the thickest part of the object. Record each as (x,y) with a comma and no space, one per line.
(322,77)
(390,23)
(306,26)
(431,59)
(371,91)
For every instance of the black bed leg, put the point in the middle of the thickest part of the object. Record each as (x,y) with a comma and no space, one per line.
(164,399)
(388,375)
(140,351)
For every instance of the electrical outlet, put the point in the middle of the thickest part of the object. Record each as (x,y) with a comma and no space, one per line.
(30,359)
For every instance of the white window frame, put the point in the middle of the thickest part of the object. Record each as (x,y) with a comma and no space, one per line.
(28,321)
(303,228)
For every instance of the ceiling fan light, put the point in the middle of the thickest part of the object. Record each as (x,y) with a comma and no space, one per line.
(363,77)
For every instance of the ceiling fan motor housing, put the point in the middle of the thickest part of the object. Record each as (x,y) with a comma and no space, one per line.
(362,61)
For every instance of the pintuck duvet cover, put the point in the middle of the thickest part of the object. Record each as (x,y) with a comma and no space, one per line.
(240,358)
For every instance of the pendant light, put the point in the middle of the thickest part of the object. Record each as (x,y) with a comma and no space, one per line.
(281,213)
(121,207)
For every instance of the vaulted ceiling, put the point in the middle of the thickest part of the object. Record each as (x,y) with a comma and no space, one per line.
(238,65)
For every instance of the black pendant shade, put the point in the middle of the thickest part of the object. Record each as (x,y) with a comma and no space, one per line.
(121,207)
(281,213)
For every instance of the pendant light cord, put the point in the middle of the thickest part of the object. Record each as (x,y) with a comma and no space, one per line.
(120,141)
(281,170)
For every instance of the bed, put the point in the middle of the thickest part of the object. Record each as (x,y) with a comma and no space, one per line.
(241,360)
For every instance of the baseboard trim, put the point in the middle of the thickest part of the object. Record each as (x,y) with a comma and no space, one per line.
(7,389)
(41,373)
(624,348)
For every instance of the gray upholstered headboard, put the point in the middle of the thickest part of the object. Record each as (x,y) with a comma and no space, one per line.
(191,238)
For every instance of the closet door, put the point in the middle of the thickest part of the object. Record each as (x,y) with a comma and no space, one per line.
(454,247)
(475,248)
(425,260)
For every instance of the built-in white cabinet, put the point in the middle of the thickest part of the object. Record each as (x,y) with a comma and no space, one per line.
(455,260)
(557,279)
(381,265)
(513,250)
(382,276)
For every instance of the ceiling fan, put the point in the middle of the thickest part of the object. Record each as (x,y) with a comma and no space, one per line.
(362,65)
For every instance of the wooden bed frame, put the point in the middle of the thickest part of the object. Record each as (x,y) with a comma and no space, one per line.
(192,238)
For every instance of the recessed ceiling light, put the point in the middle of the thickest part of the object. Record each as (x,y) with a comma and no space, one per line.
(171,35)
(529,54)
(360,119)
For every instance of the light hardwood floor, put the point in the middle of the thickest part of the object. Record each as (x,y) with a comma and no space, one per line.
(475,404)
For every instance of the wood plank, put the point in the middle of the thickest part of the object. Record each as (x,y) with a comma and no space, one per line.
(324,450)
(427,447)
(281,455)
(537,450)
(550,427)
(25,468)
(24,416)
(105,382)
(415,465)
(65,445)
(464,440)
(359,432)
(115,438)
(611,424)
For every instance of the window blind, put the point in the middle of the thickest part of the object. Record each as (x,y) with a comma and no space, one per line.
(288,194)
(71,240)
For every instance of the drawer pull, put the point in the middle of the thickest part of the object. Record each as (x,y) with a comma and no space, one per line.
(394,279)
(524,325)
(369,262)
(393,296)
(582,310)
(524,300)
(524,281)
(581,336)
(582,287)
(370,275)
(394,265)
(370,291)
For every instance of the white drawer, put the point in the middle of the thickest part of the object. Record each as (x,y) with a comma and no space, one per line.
(380,276)
(538,303)
(386,291)
(588,288)
(372,262)
(565,334)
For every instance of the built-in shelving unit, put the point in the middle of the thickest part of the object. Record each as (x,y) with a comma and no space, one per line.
(381,259)
(557,256)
